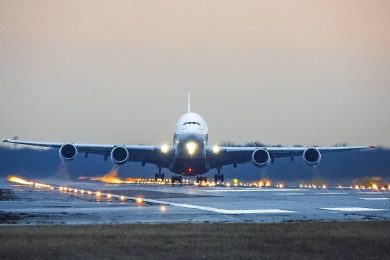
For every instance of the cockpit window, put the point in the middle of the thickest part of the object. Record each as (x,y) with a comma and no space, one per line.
(192,123)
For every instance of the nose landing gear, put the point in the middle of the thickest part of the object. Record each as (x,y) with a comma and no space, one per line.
(178,179)
(159,176)
(201,179)
(219,177)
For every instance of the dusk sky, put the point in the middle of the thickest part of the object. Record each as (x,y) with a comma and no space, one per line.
(281,72)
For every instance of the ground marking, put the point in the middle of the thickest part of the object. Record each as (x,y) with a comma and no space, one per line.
(353,209)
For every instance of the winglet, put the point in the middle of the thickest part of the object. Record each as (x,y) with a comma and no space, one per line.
(189,103)
(372,147)
(5,140)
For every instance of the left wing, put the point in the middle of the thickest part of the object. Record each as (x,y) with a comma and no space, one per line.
(239,155)
(135,153)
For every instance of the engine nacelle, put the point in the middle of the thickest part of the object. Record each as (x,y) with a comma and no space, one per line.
(311,156)
(261,158)
(68,152)
(119,155)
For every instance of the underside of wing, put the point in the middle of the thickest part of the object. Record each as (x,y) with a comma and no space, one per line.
(261,156)
(119,154)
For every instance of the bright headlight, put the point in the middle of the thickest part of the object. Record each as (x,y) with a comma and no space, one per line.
(164,148)
(191,147)
(216,149)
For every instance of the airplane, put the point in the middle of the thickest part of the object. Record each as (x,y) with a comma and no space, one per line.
(189,154)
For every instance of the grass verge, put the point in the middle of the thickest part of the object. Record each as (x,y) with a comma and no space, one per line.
(339,240)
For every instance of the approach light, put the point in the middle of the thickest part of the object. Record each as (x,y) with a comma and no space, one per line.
(216,149)
(164,148)
(191,148)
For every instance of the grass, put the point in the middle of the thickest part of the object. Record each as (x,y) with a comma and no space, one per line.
(335,240)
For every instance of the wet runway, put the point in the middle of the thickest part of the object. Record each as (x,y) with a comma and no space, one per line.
(172,204)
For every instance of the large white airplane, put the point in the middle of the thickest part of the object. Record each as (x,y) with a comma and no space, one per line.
(189,155)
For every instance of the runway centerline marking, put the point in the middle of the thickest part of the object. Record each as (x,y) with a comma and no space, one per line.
(252,190)
(353,209)
(331,193)
(374,198)
(219,210)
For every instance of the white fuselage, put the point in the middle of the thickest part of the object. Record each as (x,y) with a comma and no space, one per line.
(190,143)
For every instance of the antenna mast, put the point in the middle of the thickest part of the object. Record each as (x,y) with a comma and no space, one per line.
(189,103)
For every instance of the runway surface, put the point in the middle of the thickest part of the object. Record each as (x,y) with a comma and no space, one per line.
(171,204)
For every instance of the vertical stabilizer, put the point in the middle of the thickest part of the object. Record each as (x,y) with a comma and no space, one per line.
(189,103)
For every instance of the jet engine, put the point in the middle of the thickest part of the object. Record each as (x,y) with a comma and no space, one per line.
(311,156)
(68,152)
(261,158)
(119,155)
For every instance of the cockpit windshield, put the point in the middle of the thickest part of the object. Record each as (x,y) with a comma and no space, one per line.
(192,123)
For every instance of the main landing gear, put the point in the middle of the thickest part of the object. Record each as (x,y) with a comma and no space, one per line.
(159,176)
(219,177)
(178,179)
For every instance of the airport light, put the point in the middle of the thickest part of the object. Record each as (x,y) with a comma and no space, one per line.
(89,192)
(163,208)
(375,186)
(122,198)
(98,194)
(109,196)
(191,148)
(139,200)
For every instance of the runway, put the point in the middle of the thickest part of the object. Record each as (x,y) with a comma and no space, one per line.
(91,203)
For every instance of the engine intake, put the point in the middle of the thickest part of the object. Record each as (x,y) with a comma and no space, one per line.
(311,156)
(119,155)
(261,158)
(68,152)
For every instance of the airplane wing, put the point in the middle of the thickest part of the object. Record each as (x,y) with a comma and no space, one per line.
(137,153)
(239,155)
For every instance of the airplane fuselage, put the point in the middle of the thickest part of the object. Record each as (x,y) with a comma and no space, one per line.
(190,146)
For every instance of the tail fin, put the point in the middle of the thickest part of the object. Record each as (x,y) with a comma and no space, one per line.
(189,103)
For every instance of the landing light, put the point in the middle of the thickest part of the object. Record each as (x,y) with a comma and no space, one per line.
(164,148)
(191,147)
(216,149)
